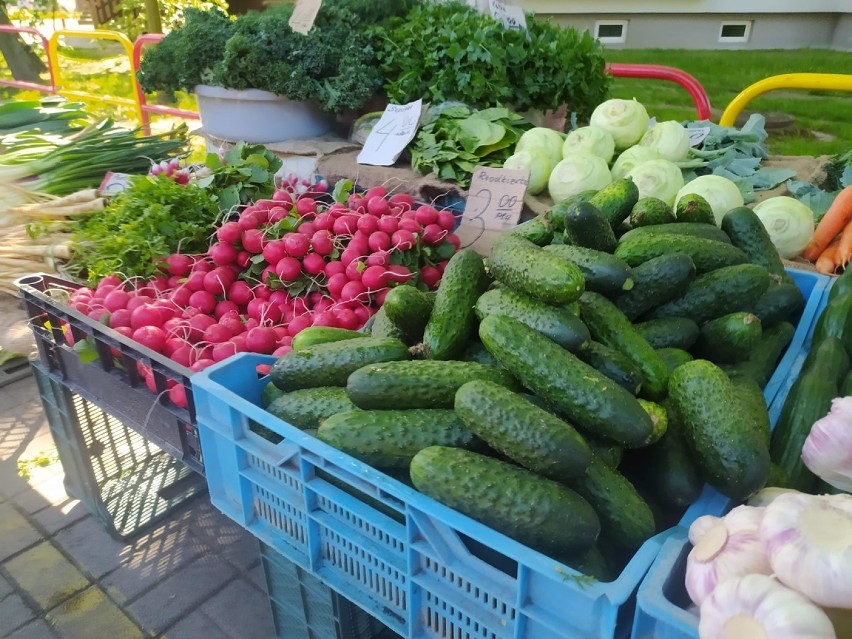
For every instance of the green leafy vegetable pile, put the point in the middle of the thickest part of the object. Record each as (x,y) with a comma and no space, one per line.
(838,177)
(455,139)
(244,174)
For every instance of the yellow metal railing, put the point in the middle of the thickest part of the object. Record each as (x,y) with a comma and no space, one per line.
(97,34)
(817,81)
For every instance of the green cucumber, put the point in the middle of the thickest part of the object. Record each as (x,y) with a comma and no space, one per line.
(474,351)
(669,332)
(694,208)
(529,269)
(559,324)
(778,478)
(556,214)
(611,327)
(613,364)
(668,466)
(764,357)
(537,230)
(586,226)
(717,293)
(390,438)
(836,321)
(606,451)
(841,286)
(650,210)
(579,392)
(603,273)
(674,357)
(615,200)
(452,320)
(269,394)
(419,383)
(708,255)
(322,335)
(752,395)
(730,338)
(591,563)
(846,387)
(540,513)
(780,302)
(727,446)
(655,282)
(808,400)
(306,408)
(409,309)
(749,234)
(331,364)
(657,413)
(690,229)
(530,436)
(382,326)
(626,519)
(828,357)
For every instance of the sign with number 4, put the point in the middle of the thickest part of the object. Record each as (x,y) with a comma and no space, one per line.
(391,134)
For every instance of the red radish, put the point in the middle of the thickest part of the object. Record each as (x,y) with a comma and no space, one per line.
(202,266)
(151,337)
(442,265)
(263,369)
(323,222)
(313,264)
(345,225)
(336,210)
(408,215)
(412,226)
(218,281)
(204,301)
(229,232)
(346,318)
(116,299)
(307,228)
(403,240)
(126,331)
(326,318)
(195,281)
(401,199)
(334,267)
(119,317)
(430,276)
(222,253)
(248,220)
(354,270)
(374,278)
(355,201)
(240,293)
(289,269)
(277,213)
(263,292)
(446,220)
(223,307)
(282,196)
(174,281)
(224,350)
(362,313)
(368,224)
(433,234)
(83,308)
(322,243)
(335,284)
(299,323)
(166,308)
(426,215)
(375,191)
(201,364)
(281,333)
(233,323)
(151,383)
(279,297)
(160,283)
(453,239)
(174,327)
(182,354)
(314,297)
(379,258)
(253,240)
(265,205)
(282,350)
(216,334)
(197,325)
(399,273)
(353,290)
(323,305)
(380,241)
(388,224)
(145,315)
(243,259)
(378,206)
(172,344)
(296,244)
(177,395)
(380,296)
(99,314)
(306,207)
(266,274)
(275,251)
(109,280)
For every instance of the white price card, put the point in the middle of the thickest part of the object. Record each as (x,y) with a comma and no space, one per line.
(494,204)
(114,183)
(304,14)
(697,135)
(511,16)
(391,134)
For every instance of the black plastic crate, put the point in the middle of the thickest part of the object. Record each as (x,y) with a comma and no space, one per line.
(303,607)
(110,377)
(126,481)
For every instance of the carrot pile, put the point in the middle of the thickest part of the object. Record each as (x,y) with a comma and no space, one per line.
(831,246)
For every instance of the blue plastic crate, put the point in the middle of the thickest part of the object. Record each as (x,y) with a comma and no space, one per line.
(421,568)
(662,602)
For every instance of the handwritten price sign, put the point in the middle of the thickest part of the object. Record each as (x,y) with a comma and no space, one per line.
(303,16)
(493,206)
(391,134)
(697,135)
(511,16)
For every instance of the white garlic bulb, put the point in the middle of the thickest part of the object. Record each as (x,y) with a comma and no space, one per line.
(828,448)
(701,526)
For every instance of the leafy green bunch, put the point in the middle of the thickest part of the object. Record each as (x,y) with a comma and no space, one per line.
(450,51)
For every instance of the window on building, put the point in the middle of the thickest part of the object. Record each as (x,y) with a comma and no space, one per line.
(611,31)
(735,31)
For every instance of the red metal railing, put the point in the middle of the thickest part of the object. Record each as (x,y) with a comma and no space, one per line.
(30,86)
(145,108)
(658,72)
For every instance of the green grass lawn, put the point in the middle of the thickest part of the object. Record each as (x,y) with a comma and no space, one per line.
(822,120)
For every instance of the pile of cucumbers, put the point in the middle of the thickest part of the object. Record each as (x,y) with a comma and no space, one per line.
(575,389)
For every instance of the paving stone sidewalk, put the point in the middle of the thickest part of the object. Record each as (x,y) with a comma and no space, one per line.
(195,575)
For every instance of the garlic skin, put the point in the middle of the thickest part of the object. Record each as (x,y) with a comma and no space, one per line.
(809,541)
(766,496)
(758,607)
(730,549)
(701,527)
(827,451)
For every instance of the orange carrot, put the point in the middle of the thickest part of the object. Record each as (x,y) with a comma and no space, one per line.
(829,260)
(839,214)
(844,246)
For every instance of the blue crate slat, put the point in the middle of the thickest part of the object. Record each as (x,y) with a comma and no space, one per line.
(662,600)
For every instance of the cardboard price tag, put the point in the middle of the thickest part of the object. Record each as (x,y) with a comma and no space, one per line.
(391,134)
(304,14)
(493,206)
(511,16)
(697,135)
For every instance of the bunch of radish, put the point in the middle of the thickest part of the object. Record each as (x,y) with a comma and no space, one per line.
(281,266)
